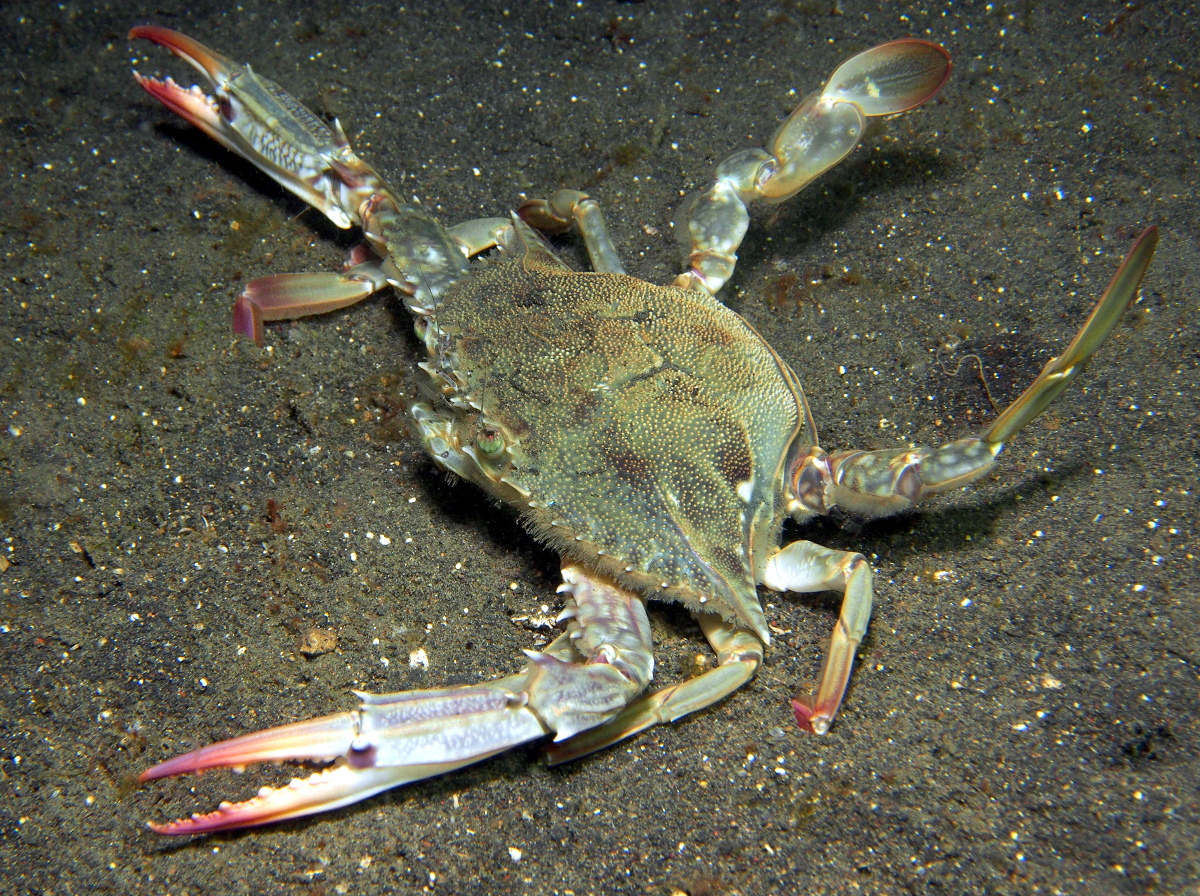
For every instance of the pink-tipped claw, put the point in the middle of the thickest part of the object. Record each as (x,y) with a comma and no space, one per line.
(192,104)
(208,62)
(320,740)
(392,739)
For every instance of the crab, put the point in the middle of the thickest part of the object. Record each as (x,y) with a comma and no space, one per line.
(647,433)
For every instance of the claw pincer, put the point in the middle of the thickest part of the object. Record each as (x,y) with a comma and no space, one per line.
(258,120)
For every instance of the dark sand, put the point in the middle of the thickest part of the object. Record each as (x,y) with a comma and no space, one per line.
(1024,718)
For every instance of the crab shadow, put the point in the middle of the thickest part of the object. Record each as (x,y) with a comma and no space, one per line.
(958,519)
(834,200)
(251,180)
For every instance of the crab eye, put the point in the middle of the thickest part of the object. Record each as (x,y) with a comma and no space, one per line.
(489,441)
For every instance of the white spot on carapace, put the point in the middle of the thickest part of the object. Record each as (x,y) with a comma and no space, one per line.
(745,490)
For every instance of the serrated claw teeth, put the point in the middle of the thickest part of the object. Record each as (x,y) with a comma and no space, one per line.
(333,787)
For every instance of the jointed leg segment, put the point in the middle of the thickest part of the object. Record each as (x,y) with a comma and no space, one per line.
(739,654)
(570,208)
(881,483)
(820,132)
(805,567)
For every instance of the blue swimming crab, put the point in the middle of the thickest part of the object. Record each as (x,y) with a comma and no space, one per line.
(647,433)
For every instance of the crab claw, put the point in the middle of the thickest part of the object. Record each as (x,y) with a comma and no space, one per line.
(331,788)
(193,104)
(322,739)
(255,118)
(392,739)
(333,737)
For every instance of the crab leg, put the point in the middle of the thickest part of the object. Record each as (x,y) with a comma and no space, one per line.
(581,680)
(289,296)
(570,207)
(806,568)
(739,654)
(881,483)
(824,129)
(258,120)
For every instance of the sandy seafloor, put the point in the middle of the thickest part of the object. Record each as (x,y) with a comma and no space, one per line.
(1025,715)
